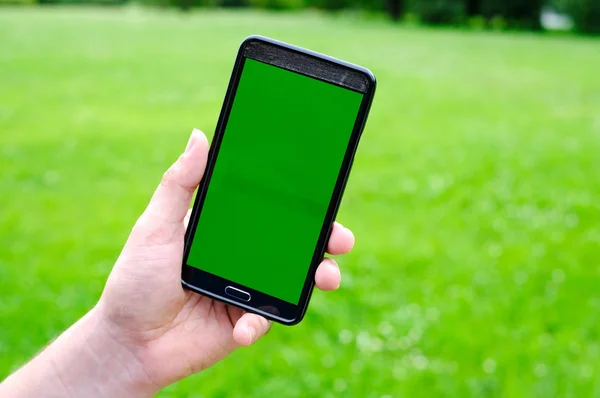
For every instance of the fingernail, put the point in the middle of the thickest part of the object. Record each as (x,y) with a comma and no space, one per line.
(192,140)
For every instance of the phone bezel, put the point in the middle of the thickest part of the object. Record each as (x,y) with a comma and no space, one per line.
(214,286)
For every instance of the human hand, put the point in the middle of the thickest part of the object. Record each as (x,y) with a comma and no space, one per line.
(173,332)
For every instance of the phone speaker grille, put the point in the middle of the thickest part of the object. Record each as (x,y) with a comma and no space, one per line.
(307,64)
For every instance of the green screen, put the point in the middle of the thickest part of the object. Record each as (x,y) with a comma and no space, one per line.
(273,179)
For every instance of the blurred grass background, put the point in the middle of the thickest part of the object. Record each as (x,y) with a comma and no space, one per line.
(474,196)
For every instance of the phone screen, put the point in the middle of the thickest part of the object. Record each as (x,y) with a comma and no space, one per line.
(273,179)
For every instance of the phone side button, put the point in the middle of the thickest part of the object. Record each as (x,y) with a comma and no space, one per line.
(237,293)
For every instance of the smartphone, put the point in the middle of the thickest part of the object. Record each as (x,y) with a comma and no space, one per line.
(277,167)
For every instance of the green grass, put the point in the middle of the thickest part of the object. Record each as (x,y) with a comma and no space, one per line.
(475,197)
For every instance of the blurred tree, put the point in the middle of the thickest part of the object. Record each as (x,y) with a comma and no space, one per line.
(437,12)
(473,7)
(523,14)
(278,4)
(585,14)
(396,9)
(332,4)
(373,5)
(495,14)
(17,2)
(184,5)
(233,3)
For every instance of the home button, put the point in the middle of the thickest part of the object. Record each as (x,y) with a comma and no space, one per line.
(237,293)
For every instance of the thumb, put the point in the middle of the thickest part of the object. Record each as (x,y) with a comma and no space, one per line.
(249,328)
(172,198)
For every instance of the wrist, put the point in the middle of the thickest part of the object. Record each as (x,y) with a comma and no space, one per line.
(87,360)
(115,360)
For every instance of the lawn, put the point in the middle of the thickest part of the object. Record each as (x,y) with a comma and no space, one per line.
(475,197)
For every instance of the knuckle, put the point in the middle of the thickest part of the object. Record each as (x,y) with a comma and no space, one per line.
(170,176)
(149,231)
(176,179)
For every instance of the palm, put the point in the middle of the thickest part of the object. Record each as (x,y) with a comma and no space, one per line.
(161,314)
(200,335)
(173,331)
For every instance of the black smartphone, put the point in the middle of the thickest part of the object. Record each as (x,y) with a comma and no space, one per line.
(277,168)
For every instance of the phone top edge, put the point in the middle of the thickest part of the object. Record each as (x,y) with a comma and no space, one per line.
(370,76)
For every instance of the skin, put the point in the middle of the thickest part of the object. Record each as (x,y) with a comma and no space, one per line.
(146,331)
